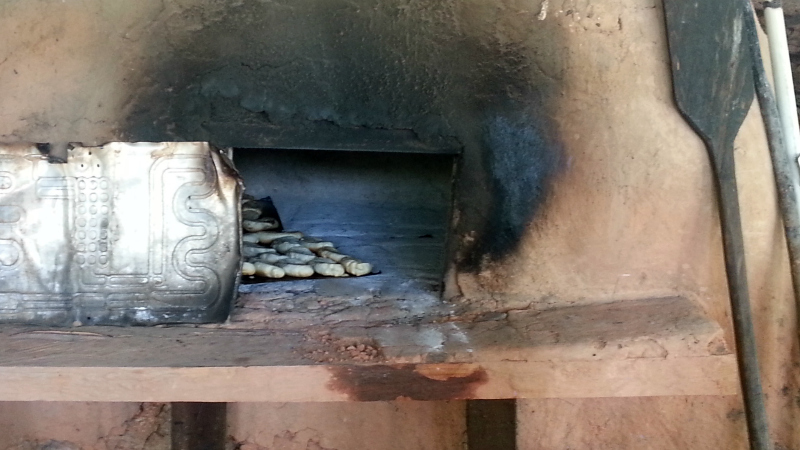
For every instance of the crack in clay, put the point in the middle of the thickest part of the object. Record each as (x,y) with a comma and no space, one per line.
(148,429)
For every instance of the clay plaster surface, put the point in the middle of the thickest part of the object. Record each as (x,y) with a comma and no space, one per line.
(251,426)
(403,425)
(84,426)
(655,423)
(630,213)
(634,215)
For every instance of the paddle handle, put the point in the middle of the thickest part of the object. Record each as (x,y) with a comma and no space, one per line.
(736,270)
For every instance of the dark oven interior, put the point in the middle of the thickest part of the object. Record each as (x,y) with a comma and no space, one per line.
(392,210)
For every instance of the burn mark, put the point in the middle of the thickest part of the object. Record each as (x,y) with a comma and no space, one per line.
(407,381)
(313,73)
(521,160)
(515,151)
(310,67)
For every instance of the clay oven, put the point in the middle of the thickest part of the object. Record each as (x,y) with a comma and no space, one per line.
(413,134)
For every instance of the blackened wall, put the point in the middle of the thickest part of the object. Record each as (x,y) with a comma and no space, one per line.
(477,75)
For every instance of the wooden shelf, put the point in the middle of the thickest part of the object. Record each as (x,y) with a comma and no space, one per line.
(650,347)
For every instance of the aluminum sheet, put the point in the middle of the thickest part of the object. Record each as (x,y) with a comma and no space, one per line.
(142,233)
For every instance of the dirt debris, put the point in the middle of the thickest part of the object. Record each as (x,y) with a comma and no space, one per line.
(330,349)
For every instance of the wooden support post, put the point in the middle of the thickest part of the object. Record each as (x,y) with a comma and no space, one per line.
(199,426)
(492,424)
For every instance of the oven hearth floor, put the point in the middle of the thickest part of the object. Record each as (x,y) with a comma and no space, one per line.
(408,253)
(647,347)
(370,301)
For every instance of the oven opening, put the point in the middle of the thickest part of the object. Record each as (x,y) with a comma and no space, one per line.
(390,210)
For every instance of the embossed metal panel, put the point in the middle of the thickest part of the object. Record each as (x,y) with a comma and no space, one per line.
(121,234)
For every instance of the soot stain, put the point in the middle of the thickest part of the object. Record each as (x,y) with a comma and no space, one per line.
(521,161)
(310,67)
(263,73)
(391,382)
(517,151)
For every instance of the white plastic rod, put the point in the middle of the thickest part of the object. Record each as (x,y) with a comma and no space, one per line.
(782,73)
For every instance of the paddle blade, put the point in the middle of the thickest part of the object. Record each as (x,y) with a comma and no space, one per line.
(711,67)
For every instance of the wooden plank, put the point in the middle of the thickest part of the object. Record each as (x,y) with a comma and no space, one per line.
(622,330)
(632,348)
(710,375)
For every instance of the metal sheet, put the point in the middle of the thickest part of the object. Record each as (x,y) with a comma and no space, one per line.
(121,234)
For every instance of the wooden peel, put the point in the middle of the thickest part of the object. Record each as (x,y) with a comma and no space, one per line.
(713,86)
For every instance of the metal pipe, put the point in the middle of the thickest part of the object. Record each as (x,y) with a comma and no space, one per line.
(784,162)
(782,74)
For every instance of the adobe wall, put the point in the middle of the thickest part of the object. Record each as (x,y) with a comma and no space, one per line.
(580,182)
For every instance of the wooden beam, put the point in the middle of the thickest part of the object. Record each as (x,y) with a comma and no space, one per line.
(199,426)
(492,424)
(624,349)
(707,375)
